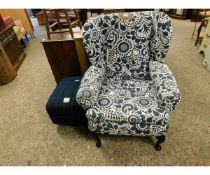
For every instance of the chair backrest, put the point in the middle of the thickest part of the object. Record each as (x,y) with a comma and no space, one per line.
(124,43)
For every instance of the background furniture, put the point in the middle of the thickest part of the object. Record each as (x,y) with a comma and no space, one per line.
(20,14)
(10,44)
(62,106)
(199,14)
(204,23)
(66,57)
(40,18)
(8,20)
(206,39)
(180,13)
(19,24)
(206,61)
(17,27)
(63,59)
(7,71)
(61,20)
(82,15)
(128,89)
(2,24)
(35,11)
(108,11)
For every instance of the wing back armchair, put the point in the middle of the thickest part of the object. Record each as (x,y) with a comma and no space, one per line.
(128,89)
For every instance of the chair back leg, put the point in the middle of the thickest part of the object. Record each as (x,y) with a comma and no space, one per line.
(47,24)
(69,23)
(78,19)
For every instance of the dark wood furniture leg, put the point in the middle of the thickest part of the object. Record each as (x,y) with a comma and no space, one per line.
(96,137)
(204,23)
(160,139)
(32,36)
(22,42)
(58,19)
(46,24)
(69,23)
(26,37)
(78,18)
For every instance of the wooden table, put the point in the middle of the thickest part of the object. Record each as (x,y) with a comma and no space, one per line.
(66,55)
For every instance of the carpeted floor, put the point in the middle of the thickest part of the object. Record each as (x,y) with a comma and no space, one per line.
(28,137)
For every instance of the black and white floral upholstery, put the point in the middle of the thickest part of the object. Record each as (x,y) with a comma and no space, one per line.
(128,90)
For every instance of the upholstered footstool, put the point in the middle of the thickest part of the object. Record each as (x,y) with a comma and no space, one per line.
(62,106)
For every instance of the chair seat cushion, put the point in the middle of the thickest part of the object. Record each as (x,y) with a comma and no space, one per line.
(131,101)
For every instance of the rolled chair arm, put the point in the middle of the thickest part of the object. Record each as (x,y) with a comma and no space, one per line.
(165,83)
(90,87)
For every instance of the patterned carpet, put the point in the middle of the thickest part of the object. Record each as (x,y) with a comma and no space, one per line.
(28,137)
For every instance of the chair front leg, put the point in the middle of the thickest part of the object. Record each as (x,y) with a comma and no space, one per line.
(160,139)
(96,137)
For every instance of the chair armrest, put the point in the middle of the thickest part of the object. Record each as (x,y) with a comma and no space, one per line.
(90,86)
(165,83)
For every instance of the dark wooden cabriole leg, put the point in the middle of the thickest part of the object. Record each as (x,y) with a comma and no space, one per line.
(96,137)
(160,139)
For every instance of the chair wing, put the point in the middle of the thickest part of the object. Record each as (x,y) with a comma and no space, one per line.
(161,35)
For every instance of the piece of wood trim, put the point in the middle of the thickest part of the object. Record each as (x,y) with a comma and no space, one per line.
(8,72)
(83,60)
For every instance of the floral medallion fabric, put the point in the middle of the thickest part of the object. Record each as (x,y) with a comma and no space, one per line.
(128,90)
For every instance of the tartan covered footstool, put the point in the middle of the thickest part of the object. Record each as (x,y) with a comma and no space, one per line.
(62,106)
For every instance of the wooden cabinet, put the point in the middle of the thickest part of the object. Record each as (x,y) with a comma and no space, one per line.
(63,58)
(66,56)
(14,50)
(11,55)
